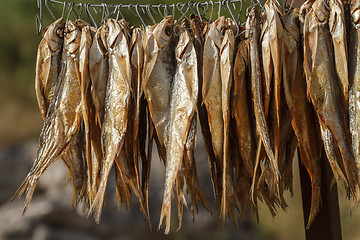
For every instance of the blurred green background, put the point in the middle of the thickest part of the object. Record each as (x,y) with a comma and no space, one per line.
(20,119)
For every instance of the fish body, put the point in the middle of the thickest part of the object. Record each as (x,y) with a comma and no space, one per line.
(226,53)
(183,104)
(339,39)
(99,71)
(253,34)
(116,107)
(354,78)
(324,88)
(63,118)
(241,109)
(302,118)
(212,90)
(158,74)
(48,64)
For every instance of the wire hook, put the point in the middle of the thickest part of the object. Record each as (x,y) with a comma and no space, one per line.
(48,8)
(141,19)
(88,13)
(148,6)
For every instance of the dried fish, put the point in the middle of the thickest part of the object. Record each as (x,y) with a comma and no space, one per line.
(63,118)
(182,107)
(324,89)
(99,71)
(354,77)
(252,33)
(226,68)
(158,74)
(48,64)
(116,107)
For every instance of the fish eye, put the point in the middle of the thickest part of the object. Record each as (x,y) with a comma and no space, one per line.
(168,31)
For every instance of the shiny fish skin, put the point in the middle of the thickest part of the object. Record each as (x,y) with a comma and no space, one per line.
(226,69)
(327,138)
(241,111)
(202,112)
(354,77)
(159,70)
(252,33)
(274,16)
(339,37)
(301,112)
(99,71)
(137,62)
(63,118)
(48,64)
(183,105)
(116,107)
(211,91)
(84,50)
(324,89)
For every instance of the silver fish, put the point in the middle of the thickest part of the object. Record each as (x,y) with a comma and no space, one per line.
(63,118)
(116,107)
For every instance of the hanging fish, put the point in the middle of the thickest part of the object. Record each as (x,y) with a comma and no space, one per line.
(327,138)
(211,97)
(116,107)
(99,71)
(183,102)
(226,69)
(48,64)
(139,113)
(339,37)
(324,89)
(158,74)
(215,172)
(63,118)
(252,33)
(354,77)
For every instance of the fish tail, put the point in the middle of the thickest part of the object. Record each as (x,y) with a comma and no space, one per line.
(97,204)
(165,212)
(28,186)
(315,202)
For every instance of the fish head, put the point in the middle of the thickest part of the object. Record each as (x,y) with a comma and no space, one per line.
(54,34)
(114,31)
(230,24)
(321,10)
(72,37)
(81,24)
(251,22)
(184,39)
(164,32)
(304,9)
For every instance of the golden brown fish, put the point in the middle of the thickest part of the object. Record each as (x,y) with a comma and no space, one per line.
(327,138)
(99,71)
(116,107)
(63,117)
(354,78)
(226,70)
(159,70)
(137,62)
(182,109)
(211,91)
(324,88)
(215,170)
(48,64)
(339,40)
(245,134)
(252,33)
(84,50)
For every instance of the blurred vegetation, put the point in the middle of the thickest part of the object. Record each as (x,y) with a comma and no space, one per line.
(20,118)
